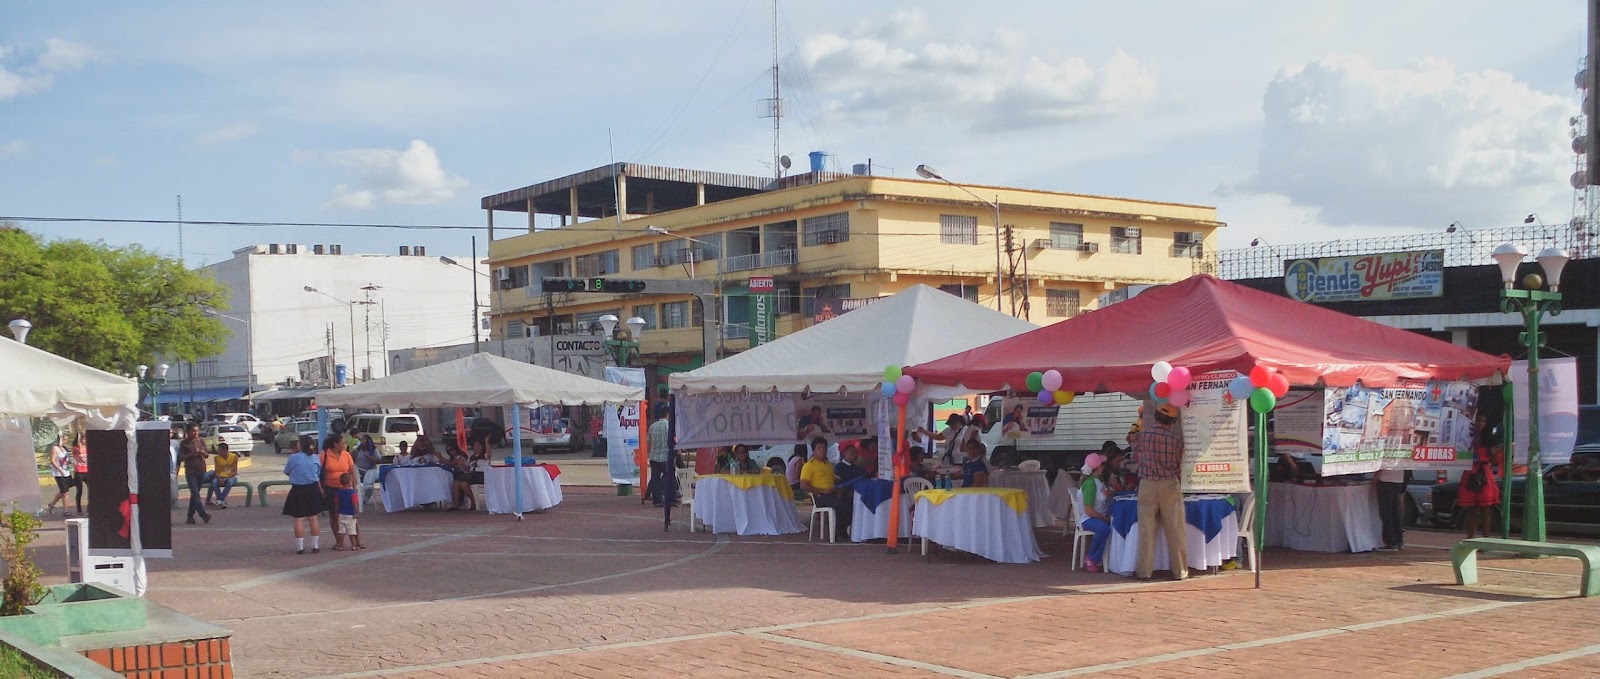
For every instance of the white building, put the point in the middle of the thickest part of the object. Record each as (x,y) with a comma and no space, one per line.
(358,307)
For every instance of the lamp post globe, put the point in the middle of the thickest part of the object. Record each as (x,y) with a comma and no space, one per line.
(636,327)
(19,329)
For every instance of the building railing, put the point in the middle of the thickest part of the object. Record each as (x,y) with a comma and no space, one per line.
(1462,248)
(758,260)
(735,331)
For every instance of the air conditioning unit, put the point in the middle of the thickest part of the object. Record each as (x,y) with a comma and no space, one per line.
(419,250)
(829,237)
(291,248)
(405,251)
(1192,250)
(1043,243)
(502,274)
(687,255)
(272,248)
(316,249)
(661,260)
(335,249)
(1185,238)
(530,331)
(1088,248)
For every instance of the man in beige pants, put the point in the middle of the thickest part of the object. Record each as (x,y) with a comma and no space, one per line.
(1158,452)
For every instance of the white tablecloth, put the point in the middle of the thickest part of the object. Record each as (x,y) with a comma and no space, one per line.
(981,524)
(1037,488)
(407,487)
(539,491)
(1323,518)
(865,525)
(761,510)
(1122,553)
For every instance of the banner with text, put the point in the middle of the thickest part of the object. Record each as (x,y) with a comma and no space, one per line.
(831,416)
(1558,409)
(1025,418)
(763,311)
(1359,278)
(1424,425)
(621,427)
(1297,423)
(1215,457)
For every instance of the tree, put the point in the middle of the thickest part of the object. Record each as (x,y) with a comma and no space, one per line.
(109,307)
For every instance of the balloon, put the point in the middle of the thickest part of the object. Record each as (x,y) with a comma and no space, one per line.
(891,373)
(902,399)
(905,384)
(1261,376)
(1162,390)
(1035,381)
(1046,398)
(1179,378)
(889,389)
(1160,370)
(1157,396)
(1052,380)
(1263,400)
(1241,388)
(1278,385)
(1063,397)
(1179,398)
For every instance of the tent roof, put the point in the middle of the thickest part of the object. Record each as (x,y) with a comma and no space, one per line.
(478,380)
(1207,324)
(37,383)
(850,352)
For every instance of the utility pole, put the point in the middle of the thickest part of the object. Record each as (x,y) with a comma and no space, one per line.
(1016,258)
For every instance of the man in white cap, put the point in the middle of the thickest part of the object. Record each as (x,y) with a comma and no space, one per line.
(1158,452)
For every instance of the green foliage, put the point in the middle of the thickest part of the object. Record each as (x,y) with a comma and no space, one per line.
(21,585)
(14,664)
(109,307)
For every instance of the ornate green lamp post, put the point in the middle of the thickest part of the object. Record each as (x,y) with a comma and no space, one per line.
(1533,302)
(152,385)
(622,351)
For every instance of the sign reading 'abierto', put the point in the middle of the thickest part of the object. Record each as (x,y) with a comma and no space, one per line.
(1357,278)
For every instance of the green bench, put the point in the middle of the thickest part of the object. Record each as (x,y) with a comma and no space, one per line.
(261,488)
(1464,556)
(183,488)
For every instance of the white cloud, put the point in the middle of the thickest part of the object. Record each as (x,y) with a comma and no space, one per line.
(13,148)
(1420,144)
(58,56)
(889,70)
(227,134)
(409,177)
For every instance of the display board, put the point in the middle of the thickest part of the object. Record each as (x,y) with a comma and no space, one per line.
(772,418)
(1558,409)
(1024,418)
(1423,425)
(1215,456)
(621,427)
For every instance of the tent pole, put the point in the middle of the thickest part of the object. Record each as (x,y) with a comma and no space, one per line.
(900,453)
(642,458)
(516,455)
(669,492)
(1260,519)
(1508,445)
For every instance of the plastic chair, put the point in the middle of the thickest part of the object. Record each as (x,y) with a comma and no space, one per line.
(827,513)
(686,479)
(1247,531)
(1028,466)
(479,497)
(910,487)
(1080,552)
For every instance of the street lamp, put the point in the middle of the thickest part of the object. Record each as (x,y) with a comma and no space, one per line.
(476,342)
(19,329)
(929,173)
(1533,303)
(152,385)
(249,347)
(622,351)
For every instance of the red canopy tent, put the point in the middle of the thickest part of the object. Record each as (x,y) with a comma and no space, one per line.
(1208,324)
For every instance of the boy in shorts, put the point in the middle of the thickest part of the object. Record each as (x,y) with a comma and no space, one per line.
(349,507)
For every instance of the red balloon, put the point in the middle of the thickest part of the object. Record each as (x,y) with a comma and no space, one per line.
(1261,377)
(1163,390)
(1278,385)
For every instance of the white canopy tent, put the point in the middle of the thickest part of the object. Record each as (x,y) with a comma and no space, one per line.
(481,380)
(37,383)
(849,353)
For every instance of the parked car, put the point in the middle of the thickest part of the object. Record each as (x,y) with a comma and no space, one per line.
(478,427)
(1571,500)
(235,435)
(251,423)
(558,437)
(387,431)
(291,432)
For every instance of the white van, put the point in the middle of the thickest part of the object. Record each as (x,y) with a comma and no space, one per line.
(387,431)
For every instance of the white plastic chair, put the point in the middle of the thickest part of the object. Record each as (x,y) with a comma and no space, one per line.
(686,479)
(1028,466)
(833,525)
(1080,551)
(1247,530)
(910,487)
(479,497)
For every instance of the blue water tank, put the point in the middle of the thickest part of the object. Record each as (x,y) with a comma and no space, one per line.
(818,160)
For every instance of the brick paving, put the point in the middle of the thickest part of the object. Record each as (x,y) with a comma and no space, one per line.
(595,588)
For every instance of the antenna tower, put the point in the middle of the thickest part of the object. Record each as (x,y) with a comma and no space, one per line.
(775,104)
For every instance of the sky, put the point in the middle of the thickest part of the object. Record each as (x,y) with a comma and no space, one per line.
(1298,121)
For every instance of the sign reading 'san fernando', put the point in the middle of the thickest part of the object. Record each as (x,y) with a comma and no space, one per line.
(1357,278)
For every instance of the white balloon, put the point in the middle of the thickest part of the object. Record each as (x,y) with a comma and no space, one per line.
(1159,371)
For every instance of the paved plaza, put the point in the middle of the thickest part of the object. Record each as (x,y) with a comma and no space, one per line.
(596,588)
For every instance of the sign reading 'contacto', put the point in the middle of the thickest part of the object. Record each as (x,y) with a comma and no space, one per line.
(1356,278)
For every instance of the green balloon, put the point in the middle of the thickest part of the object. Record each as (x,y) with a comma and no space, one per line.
(1263,400)
(1036,381)
(891,373)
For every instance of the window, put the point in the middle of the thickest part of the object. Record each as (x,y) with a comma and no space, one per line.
(1188,244)
(826,229)
(598,264)
(1061,303)
(644,256)
(1126,240)
(966,292)
(515,328)
(1065,236)
(831,293)
(648,313)
(515,277)
(559,268)
(958,230)
(788,298)
(697,313)
(675,315)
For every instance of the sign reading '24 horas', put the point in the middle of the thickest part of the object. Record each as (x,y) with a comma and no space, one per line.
(1358,278)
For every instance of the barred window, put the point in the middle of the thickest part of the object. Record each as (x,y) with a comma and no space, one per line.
(515,328)
(648,313)
(598,264)
(644,257)
(1127,240)
(1061,303)
(1065,236)
(958,229)
(825,229)
(1188,244)
(675,315)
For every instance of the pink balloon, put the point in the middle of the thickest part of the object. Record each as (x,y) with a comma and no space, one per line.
(1179,378)
(902,399)
(905,384)
(1046,398)
(1179,397)
(1052,380)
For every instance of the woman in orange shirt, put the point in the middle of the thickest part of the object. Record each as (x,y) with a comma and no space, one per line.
(336,462)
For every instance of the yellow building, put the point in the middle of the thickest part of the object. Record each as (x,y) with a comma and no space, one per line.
(828,240)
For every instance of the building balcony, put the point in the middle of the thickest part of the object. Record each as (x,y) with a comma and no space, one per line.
(760,260)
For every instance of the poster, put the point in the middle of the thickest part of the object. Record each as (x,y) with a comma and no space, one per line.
(765,418)
(1215,457)
(888,414)
(621,427)
(1422,425)
(763,311)
(1025,418)
(1297,423)
(1358,278)
(1558,409)
(831,416)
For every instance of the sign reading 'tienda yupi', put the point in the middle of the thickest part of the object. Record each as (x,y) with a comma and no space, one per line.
(1359,278)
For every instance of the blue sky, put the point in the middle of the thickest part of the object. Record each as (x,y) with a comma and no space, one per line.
(1299,121)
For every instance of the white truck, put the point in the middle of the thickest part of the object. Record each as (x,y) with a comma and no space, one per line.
(1081,428)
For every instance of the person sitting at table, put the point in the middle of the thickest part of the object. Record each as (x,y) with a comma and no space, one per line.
(797,460)
(775,465)
(1121,474)
(738,462)
(848,469)
(816,478)
(1096,503)
(424,453)
(915,456)
(867,456)
(974,472)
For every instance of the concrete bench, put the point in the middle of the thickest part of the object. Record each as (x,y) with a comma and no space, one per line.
(261,488)
(1464,556)
(248,493)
